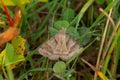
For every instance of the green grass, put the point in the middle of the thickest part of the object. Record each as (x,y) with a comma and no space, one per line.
(85,23)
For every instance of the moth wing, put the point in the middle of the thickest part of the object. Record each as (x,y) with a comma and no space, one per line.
(72,46)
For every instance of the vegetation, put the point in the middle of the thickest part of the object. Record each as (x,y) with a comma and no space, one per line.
(25,25)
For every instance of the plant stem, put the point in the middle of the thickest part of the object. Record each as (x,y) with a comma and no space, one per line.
(7,13)
(9,72)
(5,74)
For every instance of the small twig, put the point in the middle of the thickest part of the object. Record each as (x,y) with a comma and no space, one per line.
(108,16)
(91,66)
(101,75)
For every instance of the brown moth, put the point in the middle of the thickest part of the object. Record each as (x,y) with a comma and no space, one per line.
(60,46)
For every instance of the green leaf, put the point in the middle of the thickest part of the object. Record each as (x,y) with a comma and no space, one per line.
(8,54)
(68,14)
(15,2)
(59,24)
(53,31)
(85,35)
(10,57)
(1,78)
(9,51)
(117,56)
(43,0)
(19,45)
(107,9)
(72,78)
(19,3)
(59,67)
(16,59)
(13,53)
(100,1)
(1,57)
(73,32)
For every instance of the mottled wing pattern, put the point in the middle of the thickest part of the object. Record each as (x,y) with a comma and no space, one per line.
(60,46)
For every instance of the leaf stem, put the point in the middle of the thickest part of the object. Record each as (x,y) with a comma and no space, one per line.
(9,72)
(5,74)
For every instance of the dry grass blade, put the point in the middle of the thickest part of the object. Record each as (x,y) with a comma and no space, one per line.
(102,42)
(109,42)
(108,16)
(101,75)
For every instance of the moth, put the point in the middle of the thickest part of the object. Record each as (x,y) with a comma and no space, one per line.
(62,46)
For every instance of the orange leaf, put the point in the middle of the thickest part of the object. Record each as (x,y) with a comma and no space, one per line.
(8,35)
(17,17)
(12,31)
